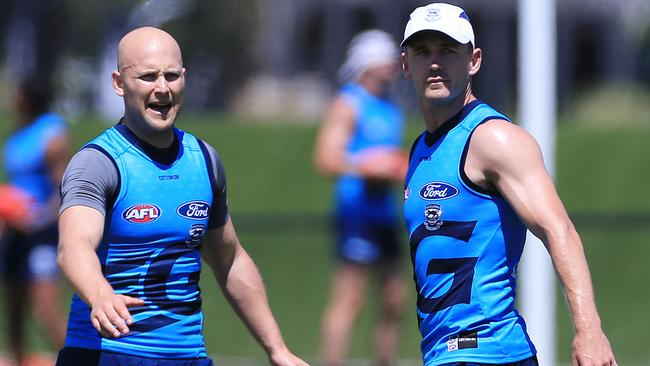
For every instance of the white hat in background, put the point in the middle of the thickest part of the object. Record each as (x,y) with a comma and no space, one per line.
(368,49)
(446,18)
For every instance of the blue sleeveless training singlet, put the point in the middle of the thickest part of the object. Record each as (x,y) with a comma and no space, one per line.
(150,250)
(379,123)
(24,157)
(465,246)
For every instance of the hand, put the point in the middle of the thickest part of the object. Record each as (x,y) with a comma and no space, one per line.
(380,173)
(16,208)
(591,347)
(382,164)
(110,314)
(285,358)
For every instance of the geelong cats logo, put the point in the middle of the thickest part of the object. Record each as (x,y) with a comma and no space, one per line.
(197,233)
(432,215)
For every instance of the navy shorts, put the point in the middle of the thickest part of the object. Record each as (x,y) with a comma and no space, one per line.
(366,242)
(75,356)
(29,257)
(527,362)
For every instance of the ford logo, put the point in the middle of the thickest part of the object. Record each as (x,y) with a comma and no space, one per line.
(195,210)
(438,191)
(141,213)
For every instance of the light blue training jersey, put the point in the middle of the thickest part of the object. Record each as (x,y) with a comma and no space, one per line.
(150,248)
(465,246)
(379,124)
(24,158)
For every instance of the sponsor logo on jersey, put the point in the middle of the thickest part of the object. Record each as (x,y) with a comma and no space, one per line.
(438,191)
(141,213)
(197,233)
(432,215)
(168,177)
(195,210)
(462,340)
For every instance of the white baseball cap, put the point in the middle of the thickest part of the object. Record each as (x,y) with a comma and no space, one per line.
(446,18)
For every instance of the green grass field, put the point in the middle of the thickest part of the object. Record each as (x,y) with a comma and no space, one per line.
(279,206)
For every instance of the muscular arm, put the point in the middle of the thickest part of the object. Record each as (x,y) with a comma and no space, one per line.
(242,285)
(86,183)
(504,157)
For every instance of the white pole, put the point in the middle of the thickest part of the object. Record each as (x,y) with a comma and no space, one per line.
(537,112)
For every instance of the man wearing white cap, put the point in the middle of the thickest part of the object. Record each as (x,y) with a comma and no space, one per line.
(475,182)
(359,142)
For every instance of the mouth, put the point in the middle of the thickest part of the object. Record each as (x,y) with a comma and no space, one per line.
(160,108)
(434,80)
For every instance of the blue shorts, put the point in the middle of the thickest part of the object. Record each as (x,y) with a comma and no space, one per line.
(74,356)
(29,257)
(527,362)
(362,242)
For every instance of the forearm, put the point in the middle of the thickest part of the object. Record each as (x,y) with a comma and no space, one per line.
(81,267)
(332,162)
(243,287)
(571,265)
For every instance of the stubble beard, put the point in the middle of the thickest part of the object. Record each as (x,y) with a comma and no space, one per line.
(437,97)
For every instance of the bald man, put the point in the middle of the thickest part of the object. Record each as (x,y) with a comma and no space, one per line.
(141,205)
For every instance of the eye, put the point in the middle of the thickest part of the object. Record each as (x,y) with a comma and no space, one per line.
(448,50)
(172,76)
(422,51)
(149,77)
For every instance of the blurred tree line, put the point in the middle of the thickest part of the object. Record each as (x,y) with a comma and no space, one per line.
(283,54)
(68,41)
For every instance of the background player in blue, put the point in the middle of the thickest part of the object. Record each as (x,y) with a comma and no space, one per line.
(141,205)
(35,156)
(475,182)
(359,142)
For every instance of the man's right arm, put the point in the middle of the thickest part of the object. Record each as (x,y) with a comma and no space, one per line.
(80,265)
(85,184)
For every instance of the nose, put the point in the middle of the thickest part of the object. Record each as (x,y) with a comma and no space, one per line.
(434,65)
(162,84)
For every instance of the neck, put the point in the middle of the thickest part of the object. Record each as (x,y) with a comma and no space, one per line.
(436,113)
(159,139)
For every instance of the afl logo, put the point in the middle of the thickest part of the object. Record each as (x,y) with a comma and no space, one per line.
(195,210)
(141,214)
(438,191)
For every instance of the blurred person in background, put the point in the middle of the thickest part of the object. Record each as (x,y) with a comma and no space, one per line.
(359,143)
(475,183)
(152,199)
(35,156)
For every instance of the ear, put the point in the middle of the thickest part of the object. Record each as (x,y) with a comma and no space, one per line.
(118,83)
(475,61)
(405,65)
